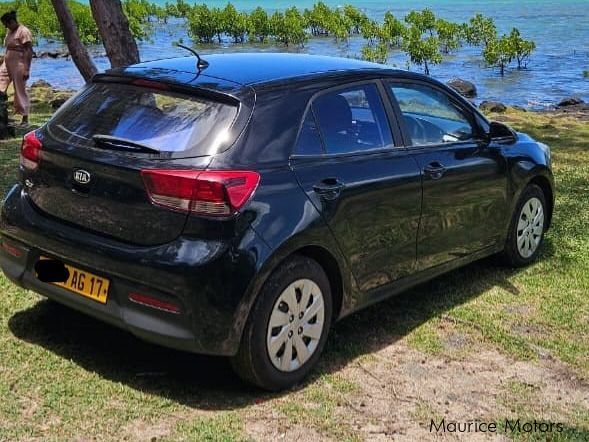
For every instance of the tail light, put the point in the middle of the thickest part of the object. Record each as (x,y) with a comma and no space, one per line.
(208,193)
(30,151)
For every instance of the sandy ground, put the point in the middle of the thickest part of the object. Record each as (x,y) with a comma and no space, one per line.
(400,390)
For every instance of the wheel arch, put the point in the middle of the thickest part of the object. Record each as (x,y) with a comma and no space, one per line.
(544,184)
(322,249)
(332,270)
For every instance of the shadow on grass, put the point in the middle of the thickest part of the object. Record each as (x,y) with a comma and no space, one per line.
(207,382)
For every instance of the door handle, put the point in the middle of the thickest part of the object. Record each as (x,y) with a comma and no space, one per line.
(435,170)
(329,188)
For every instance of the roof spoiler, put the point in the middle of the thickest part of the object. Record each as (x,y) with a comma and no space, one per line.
(120,78)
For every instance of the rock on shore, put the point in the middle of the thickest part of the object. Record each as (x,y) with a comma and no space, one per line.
(571,101)
(43,94)
(51,54)
(41,83)
(492,106)
(463,87)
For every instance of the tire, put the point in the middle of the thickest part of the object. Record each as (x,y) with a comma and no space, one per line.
(294,326)
(528,230)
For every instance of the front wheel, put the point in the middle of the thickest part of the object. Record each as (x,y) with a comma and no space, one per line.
(288,326)
(526,231)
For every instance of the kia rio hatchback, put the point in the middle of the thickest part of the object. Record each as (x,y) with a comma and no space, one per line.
(242,208)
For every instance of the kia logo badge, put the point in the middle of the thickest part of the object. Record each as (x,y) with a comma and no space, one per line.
(81,176)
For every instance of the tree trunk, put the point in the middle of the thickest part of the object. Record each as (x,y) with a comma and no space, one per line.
(121,48)
(78,51)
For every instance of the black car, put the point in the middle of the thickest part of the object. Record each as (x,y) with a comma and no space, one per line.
(241,208)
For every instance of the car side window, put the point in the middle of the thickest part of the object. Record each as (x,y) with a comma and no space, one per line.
(309,141)
(430,116)
(352,119)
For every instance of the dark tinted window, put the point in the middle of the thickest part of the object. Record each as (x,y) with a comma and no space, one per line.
(352,119)
(430,116)
(163,120)
(309,142)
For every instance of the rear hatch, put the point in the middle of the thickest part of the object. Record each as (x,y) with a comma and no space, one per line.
(92,152)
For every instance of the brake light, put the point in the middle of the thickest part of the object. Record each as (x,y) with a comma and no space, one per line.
(30,151)
(150,84)
(209,192)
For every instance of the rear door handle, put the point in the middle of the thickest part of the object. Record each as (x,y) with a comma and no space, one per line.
(329,188)
(435,170)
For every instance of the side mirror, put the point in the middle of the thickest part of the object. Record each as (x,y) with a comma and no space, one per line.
(501,132)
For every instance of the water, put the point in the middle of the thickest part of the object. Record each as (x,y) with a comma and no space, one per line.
(560,29)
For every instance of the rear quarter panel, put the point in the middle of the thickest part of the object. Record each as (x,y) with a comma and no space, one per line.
(279,212)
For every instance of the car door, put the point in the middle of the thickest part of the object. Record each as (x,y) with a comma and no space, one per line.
(367,189)
(464,179)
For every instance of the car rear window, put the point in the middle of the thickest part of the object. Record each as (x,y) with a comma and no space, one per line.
(162,120)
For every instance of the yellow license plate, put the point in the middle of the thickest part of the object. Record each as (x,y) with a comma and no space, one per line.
(85,284)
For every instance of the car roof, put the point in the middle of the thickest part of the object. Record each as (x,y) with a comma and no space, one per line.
(250,68)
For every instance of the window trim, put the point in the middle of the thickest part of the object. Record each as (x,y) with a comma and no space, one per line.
(308,112)
(478,133)
(396,134)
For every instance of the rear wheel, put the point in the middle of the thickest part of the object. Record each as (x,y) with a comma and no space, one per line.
(288,326)
(526,231)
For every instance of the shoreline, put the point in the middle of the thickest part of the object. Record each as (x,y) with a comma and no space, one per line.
(46,99)
(49,98)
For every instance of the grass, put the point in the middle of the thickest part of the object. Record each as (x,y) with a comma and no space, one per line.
(65,376)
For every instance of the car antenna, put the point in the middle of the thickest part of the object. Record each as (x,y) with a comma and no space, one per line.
(201,62)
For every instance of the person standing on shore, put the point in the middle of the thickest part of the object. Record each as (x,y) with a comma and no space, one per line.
(17,63)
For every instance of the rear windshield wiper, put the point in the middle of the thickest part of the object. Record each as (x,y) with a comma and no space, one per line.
(110,142)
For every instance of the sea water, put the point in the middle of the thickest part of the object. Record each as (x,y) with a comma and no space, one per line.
(560,29)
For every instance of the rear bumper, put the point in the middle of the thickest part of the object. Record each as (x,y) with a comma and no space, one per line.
(208,279)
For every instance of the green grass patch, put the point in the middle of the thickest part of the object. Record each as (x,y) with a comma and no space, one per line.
(323,403)
(224,427)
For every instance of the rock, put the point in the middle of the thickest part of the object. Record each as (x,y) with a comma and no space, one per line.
(520,108)
(56,103)
(570,101)
(52,54)
(492,106)
(574,108)
(41,83)
(463,87)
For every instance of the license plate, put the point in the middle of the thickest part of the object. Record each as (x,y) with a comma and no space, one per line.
(85,284)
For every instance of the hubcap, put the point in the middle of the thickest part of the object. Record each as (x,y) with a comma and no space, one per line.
(530,227)
(296,325)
